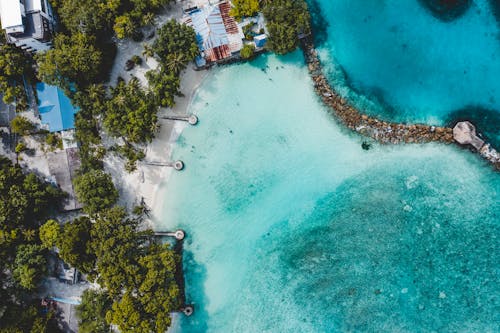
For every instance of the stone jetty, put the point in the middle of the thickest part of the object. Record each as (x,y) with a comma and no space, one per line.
(465,134)
(381,131)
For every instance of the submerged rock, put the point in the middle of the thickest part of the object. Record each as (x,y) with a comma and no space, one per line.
(446,10)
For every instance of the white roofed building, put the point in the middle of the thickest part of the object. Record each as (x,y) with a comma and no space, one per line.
(27,23)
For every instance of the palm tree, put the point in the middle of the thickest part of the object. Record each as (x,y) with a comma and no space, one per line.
(147,51)
(176,62)
(149,19)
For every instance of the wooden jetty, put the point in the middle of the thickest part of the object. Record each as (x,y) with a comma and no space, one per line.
(190,119)
(177,165)
(178,234)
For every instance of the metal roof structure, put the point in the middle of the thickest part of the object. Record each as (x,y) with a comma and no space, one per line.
(217,33)
(55,108)
(209,27)
(11,15)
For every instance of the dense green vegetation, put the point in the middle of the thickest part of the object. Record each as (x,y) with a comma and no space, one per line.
(175,38)
(21,125)
(247,51)
(103,16)
(244,8)
(92,312)
(95,190)
(74,244)
(73,60)
(286,20)
(137,274)
(25,202)
(131,112)
(14,65)
(164,86)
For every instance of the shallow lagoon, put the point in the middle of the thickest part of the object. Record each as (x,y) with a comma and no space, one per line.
(293,227)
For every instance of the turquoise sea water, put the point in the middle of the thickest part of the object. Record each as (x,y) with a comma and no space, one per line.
(395,59)
(293,227)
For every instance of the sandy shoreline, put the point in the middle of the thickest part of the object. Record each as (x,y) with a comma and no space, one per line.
(148,183)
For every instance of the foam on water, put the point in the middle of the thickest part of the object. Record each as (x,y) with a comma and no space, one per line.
(397,60)
(293,227)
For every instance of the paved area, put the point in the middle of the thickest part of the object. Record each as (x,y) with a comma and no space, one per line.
(63,166)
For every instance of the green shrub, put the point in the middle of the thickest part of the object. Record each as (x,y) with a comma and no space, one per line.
(21,125)
(247,51)
(20,147)
(136,60)
(54,141)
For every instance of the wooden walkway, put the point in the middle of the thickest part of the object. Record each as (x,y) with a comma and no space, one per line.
(191,119)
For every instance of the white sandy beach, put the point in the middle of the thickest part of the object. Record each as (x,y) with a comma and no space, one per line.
(146,181)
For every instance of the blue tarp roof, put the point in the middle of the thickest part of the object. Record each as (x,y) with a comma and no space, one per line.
(55,108)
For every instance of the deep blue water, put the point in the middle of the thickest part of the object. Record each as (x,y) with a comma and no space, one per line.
(396,59)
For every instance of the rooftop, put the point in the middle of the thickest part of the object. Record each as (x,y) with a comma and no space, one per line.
(217,33)
(11,15)
(55,108)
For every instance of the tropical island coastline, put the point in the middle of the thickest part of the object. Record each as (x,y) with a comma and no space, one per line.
(120,133)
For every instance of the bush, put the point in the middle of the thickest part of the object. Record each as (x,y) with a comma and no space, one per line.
(132,155)
(20,147)
(21,125)
(54,141)
(247,51)
(136,60)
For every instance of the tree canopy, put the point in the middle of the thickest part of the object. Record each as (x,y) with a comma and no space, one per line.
(29,266)
(92,312)
(174,37)
(131,113)
(49,233)
(74,244)
(102,16)
(138,274)
(14,66)
(21,125)
(73,60)
(286,19)
(24,203)
(95,189)
(244,8)
(164,86)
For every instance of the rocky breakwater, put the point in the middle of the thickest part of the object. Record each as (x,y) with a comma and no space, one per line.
(381,131)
